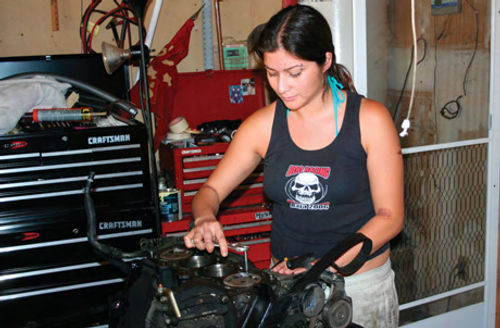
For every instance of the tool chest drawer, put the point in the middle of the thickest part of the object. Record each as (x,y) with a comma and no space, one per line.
(190,169)
(244,214)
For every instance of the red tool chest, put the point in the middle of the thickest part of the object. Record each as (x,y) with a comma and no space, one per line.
(244,214)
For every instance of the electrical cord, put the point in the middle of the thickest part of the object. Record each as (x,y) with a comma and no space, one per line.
(405,125)
(452,108)
(395,116)
(84,23)
(145,106)
(125,27)
(437,37)
(120,14)
(112,13)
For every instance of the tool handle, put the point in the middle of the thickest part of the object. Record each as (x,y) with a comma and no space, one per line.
(235,247)
(303,261)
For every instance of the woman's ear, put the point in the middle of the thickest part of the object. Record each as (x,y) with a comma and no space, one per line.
(328,61)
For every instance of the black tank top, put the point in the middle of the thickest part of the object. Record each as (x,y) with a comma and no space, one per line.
(319,197)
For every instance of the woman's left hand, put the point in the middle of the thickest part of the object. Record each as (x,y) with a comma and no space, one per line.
(282,268)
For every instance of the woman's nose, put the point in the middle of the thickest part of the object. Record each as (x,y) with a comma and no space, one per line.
(282,84)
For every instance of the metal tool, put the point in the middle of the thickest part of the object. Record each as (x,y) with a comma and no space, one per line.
(237,247)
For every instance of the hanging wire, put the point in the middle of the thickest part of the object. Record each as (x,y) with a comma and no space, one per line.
(121,16)
(437,37)
(395,116)
(405,125)
(84,24)
(452,108)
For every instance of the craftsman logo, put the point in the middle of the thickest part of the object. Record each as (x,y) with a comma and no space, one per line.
(15,145)
(120,225)
(108,139)
(191,151)
(30,235)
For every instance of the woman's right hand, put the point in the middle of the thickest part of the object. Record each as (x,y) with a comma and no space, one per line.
(206,231)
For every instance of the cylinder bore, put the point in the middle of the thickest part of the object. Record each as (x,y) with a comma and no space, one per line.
(175,254)
(219,270)
(199,261)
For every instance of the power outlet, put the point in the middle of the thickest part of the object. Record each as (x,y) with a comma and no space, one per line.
(446,7)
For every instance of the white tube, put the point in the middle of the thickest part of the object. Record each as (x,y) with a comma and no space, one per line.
(151,30)
(152,24)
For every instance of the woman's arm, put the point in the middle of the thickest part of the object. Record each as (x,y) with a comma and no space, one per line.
(385,171)
(245,152)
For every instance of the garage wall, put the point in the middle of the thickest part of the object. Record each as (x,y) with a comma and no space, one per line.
(26,26)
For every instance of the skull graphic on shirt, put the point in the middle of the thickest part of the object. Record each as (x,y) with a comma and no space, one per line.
(305,188)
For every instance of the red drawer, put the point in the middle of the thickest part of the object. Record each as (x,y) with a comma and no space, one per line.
(243,213)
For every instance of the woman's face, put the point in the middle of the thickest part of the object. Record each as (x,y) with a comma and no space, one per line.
(296,81)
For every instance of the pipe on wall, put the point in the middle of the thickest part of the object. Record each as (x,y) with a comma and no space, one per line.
(219,34)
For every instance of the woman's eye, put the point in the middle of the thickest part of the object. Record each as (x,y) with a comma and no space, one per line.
(295,74)
(272,74)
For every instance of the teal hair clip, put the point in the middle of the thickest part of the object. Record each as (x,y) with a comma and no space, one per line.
(338,98)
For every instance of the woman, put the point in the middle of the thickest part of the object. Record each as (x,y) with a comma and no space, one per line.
(332,164)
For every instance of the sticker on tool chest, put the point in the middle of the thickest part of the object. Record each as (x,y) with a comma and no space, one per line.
(262,215)
(191,151)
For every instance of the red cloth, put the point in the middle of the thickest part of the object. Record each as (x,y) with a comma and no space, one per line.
(162,79)
(286,3)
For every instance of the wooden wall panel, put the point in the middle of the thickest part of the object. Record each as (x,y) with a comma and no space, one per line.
(450,41)
(458,30)
(25,26)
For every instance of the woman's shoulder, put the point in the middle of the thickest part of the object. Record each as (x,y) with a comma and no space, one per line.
(255,131)
(261,118)
(375,123)
(372,111)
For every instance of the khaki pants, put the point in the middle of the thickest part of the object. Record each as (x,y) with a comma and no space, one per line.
(374,297)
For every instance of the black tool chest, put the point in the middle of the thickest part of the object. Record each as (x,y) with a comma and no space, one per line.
(49,274)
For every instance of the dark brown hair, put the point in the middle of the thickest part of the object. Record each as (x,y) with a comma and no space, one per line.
(305,33)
